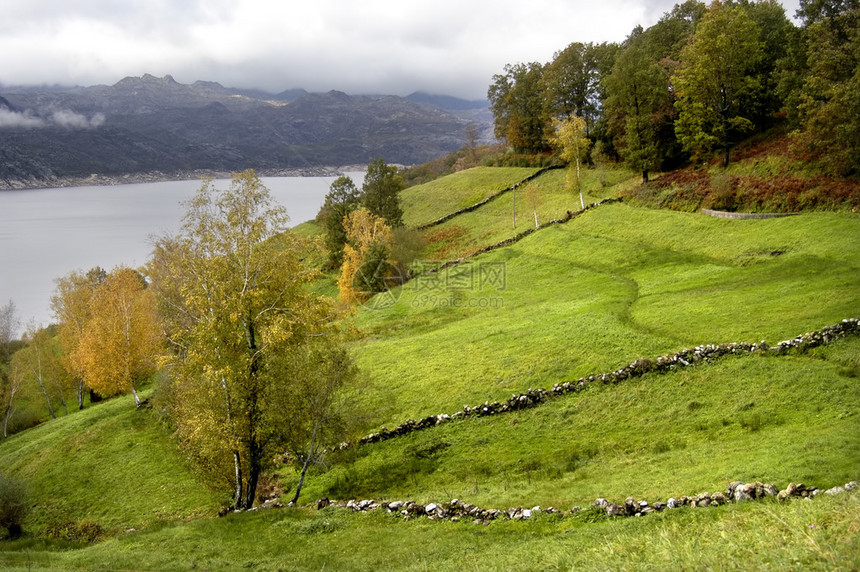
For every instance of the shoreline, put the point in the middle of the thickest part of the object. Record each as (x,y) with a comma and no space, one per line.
(96,180)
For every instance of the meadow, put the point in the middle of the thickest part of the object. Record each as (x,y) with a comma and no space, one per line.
(618,283)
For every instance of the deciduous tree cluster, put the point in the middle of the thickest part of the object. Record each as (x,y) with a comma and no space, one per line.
(107,330)
(380,195)
(696,83)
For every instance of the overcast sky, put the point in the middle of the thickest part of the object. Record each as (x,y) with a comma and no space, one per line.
(358,46)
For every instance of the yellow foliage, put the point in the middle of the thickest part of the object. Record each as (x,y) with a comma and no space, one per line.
(120,340)
(366,263)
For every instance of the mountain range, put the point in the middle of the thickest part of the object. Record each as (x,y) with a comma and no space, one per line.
(145,125)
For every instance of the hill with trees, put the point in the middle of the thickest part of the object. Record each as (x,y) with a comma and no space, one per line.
(504,363)
(700,81)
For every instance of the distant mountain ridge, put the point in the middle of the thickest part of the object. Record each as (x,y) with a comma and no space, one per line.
(148,124)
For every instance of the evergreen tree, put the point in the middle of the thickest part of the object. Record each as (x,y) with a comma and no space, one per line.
(381,192)
(343,198)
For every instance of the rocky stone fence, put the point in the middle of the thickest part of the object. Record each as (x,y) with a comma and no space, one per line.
(743,216)
(521,235)
(489,199)
(684,358)
(457,510)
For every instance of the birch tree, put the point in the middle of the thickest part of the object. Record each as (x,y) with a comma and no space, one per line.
(120,341)
(71,305)
(570,139)
(237,313)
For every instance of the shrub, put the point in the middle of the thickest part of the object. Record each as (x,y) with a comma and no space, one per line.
(14,505)
(75,531)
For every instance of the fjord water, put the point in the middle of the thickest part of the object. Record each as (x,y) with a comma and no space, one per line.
(47,233)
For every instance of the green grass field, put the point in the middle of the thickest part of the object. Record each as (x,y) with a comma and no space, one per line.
(425,203)
(613,285)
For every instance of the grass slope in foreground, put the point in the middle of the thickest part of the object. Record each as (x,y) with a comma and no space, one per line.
(110,465)
(771,419)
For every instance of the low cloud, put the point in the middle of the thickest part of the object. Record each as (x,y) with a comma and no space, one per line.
(10,118)
(73,120)
(62,118)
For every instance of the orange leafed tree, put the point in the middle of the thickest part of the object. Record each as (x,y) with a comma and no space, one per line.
(366,264)
(120,341)
(71,305)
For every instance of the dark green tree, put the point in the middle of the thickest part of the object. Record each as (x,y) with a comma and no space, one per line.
(667,38)
(14,505)
(573,83)
(638,105)
(518,104)
(830,96)
(716,86)
(778,37)
(381,192)
(343,198)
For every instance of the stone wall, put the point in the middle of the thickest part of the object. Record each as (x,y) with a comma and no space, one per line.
(521,235)
(725,214)
(457,510)
(479,204)
(662,364)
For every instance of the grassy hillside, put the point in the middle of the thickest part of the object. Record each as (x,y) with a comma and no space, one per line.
(763,419)
(796,536)
(425,203)
(111,465)
(546,195)
(613,285)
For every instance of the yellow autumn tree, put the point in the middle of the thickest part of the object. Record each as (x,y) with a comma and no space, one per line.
(367,266)
(120,340)
(71,305)
(256,361)
(570,139)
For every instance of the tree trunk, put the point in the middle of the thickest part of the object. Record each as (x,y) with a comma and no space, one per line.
(136,398)
(301,480)
(38,375)
(305,465)
(253,478)
(579,181)
(237,464)
(255,449)
(6,420)
(62,397)
(644,175)
(79,390)
(726,156)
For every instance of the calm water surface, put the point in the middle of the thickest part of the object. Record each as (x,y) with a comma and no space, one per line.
(47,233)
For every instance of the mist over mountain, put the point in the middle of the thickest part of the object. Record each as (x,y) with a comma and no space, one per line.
(149,124)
